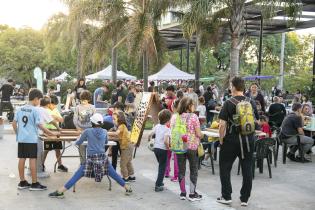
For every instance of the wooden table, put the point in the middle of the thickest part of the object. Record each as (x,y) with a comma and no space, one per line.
(215,133)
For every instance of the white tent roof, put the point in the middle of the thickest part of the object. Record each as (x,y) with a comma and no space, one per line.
(170,72)
(107,74)
(62,76)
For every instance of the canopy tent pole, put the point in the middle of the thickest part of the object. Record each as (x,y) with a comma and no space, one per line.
(260,46)
(197,64)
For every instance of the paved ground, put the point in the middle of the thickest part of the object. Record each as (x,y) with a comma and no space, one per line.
(292,187)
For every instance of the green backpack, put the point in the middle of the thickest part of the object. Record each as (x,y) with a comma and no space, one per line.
(177,132)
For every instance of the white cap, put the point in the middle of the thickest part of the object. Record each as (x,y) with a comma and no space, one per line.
(97,118)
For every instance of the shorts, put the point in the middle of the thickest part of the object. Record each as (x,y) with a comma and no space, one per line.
(27,150)
(52,145)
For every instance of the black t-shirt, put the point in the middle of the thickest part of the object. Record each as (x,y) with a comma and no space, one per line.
(208,95)
(291,124)
(116,93)
(229,109)
(259,98)
(276,113)
(7,91)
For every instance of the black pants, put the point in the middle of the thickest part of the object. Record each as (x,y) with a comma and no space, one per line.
(161,156)
(6,105)
(115,150)
(192,157)
(230,149)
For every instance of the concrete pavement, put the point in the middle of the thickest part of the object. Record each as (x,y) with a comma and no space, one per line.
(292,187)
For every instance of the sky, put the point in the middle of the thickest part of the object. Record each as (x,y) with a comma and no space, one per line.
(35,13)
(30,13)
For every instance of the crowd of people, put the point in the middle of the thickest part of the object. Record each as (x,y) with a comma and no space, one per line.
(185,112)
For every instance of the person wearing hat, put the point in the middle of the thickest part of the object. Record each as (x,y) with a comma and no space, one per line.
(97,164)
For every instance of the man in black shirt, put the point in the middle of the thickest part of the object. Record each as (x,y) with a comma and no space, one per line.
(276,112)
(292,127)
(231,147)
(118,93)
(7,92)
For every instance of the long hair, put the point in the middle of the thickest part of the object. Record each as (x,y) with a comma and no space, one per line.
(121,119)
(185,104)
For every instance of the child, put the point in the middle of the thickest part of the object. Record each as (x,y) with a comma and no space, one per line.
(81,118)
(263,122)
(201,109)
(169,152)
(57,146)
(25,124)
(161,145)
(45,118)
(126,147)
(97,162)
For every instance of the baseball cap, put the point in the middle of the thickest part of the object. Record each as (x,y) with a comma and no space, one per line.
(97,119)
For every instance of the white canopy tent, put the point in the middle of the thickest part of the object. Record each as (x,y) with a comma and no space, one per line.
(62,77)
(107,74)
(170,72)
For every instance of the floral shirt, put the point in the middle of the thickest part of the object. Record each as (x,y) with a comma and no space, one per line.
(192,124)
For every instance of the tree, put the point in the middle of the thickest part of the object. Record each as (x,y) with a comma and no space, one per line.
(20,52)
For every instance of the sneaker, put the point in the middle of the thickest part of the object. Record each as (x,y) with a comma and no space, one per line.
(23,185)
(62,168)
(174,179)
(166,176)
(159,188)
(291,156)
(132,179)
(182,196)
(194,197)
(224,201)
(56,194)
(244,204)
(205,163)
(126,180)
(302,160)
(43,168)
(128,190)
(37,187)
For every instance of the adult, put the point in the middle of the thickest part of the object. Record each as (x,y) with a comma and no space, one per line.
(292,128)
(118,93)
(79,88)
(191,94)
(257,96)
(186,110)
(201,89)
(306,110)
(98,96)
(306,100)
(7,91)
(298,95)
(152,87)
(275,92)
(58,91)
(208,95)
(215,91)
(276,112)
(234,145)
(170,97)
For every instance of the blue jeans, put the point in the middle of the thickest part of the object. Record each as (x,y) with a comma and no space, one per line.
(80,173)
(161,156)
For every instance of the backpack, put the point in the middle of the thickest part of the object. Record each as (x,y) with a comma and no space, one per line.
(177,132)
(244,120)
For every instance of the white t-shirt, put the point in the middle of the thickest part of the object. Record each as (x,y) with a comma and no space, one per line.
(45,117)
(201,89)
(202,111)
(160,132)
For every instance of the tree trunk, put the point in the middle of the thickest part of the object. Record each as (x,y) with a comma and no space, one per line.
(79,56)
(114,64)
(197,64)
(234,56)
(145,70)
(282,62)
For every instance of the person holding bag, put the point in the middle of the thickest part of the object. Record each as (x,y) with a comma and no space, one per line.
(185,139)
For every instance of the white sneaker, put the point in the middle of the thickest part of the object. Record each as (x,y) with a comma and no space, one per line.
(223,201)
(244,204)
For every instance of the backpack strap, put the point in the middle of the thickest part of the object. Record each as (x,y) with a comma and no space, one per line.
(234,101)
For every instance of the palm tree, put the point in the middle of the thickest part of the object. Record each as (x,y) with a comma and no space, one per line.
(234,12)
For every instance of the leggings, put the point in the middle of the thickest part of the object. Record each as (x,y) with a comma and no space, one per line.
(192,157)
(168,164)
(80,173)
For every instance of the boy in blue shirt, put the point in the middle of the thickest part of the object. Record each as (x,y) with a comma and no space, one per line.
(25,124)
